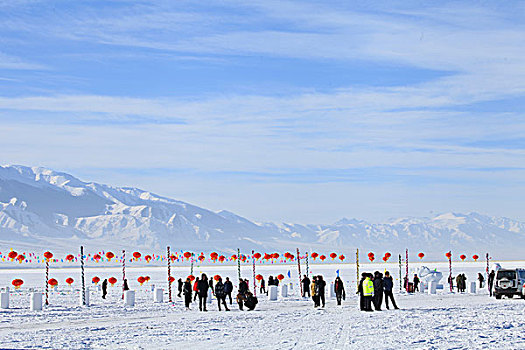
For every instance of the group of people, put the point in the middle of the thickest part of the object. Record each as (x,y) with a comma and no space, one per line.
(221,290)
(461,282)
(371,289)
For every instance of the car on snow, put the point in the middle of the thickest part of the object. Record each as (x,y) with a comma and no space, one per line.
(509,282)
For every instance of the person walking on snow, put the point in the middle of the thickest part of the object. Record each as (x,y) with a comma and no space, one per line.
(368,291)
(202,289)
(188,291)
(221,295)
(360,292)
(196,288)
(320,289)
(306,286)
(388,285)
(262,289)
(228,288)
(315,297)
(104,288)
(481,279)
(491,281)
(416,283)
(339,290)
(179,286)
(378,290)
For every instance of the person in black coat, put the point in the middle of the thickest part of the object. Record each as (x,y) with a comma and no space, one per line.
(416,283)
(320,289)
(378,290)
(262,289)
(211,285)
(339,290)
(306,286)
(491,281)
(388,286)
(481,279)
(228,288)
(202,289)
(188,291)
(180,284)
(104,288)
(221,295)
(250,301)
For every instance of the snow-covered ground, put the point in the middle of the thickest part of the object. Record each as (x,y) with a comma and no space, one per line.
(425,321)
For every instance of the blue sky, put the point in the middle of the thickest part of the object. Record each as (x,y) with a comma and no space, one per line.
(276,110)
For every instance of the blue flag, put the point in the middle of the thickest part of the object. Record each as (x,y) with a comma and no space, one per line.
(337,273)
(289,274)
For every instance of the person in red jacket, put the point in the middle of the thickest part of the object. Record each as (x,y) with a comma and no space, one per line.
(339,290)
(196,288)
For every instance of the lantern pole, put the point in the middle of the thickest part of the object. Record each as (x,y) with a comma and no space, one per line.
(400,276)
(169,274)
(307,272)
(487,270)
(239,262)
(254,284)
(191,269)
(357,266)
(406,263)
(123,270)
(47,281)
(299,269)
(83,275)
(450,282)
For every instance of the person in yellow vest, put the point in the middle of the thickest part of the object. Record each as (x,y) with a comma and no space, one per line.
(368,292)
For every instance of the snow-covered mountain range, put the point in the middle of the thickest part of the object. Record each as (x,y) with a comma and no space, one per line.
(43,208)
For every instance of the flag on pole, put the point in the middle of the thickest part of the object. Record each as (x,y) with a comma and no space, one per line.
(337,273)
(289,274)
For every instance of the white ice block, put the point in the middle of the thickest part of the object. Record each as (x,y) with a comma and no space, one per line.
(422,287)
(332,290)
(208,300)
(35,301)
(129,298)
(158,295)
(272,293)
(284,290)
(472,288)
(4,300)
(432,286)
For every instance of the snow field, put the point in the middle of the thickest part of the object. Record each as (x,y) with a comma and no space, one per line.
(425,321)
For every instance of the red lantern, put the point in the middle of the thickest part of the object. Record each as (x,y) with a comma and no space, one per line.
(314,255)
(280,277)
(421,255)
(388,255)
(97,257)
(275,256)
(214,256)
(475,257)
(20,258)
(234,257)
(110,255)
(371,258)
(70,281)
(191,277)
(95,280)
(322,257)
(341,257)
(385,258)
(148,258)
(448,255)
(171,279)
(462,257)
(267,256)
(173,258)
(222,258)
(333,256)
(112,280)
(17,283)
(53,282)
(216,277)
(70,257)
(187,255)
(201,257)
(370,254)
(141,280)
(259,277)
(136,255)
(47,255)
(257,256)
(147,278)
(12,255)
